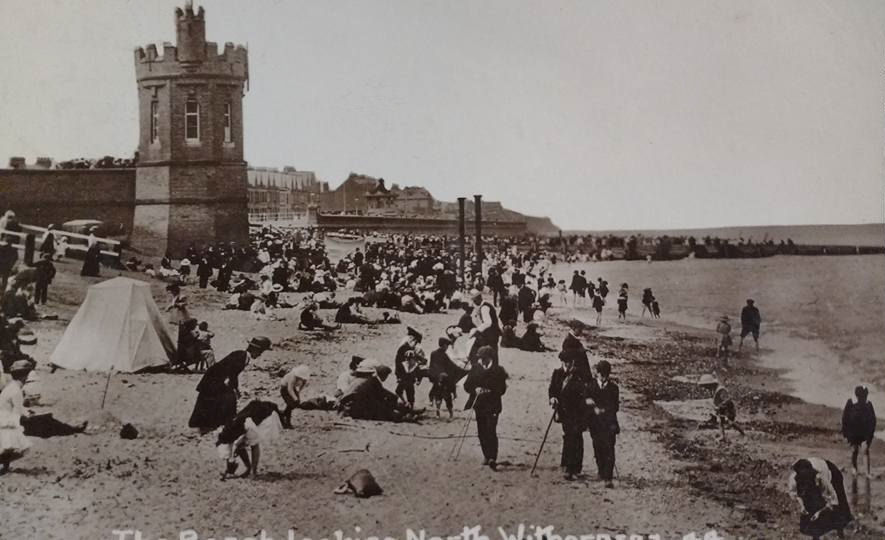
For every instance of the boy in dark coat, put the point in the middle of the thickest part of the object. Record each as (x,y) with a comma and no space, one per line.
(45,272)
(604,401)
(444,375)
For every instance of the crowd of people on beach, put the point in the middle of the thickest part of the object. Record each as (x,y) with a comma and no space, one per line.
(506,289)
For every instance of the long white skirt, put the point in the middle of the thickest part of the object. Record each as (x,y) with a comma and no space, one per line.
(13,442)
(265,432)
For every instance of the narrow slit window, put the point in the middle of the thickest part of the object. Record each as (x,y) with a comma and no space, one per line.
(155,121)
(192,120)
(227,123)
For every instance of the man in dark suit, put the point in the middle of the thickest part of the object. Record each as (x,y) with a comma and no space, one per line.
(567,392)
(486,383)
(604,400)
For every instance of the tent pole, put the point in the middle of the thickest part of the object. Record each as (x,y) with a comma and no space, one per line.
(106,385)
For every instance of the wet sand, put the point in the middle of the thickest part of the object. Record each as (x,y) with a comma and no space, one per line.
(673,478)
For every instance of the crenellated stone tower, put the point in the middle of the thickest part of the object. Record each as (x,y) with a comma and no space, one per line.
(190,182)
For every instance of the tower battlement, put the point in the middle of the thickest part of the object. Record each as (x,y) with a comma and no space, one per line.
(192,54)
(232,62)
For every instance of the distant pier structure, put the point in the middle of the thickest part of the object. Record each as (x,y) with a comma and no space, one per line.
(190,181)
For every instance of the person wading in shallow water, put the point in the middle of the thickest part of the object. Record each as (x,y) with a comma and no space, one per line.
(751,321)
(859,425)
(723,328)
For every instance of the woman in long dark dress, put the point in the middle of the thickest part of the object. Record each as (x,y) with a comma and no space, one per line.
(817,486)
(219,388)
(92,260)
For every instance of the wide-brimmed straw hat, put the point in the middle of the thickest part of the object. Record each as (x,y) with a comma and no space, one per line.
(707,380)
(302,372)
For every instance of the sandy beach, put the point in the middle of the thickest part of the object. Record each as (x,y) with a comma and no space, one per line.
(672,479)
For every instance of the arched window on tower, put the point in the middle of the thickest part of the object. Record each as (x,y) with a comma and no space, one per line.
(192,120)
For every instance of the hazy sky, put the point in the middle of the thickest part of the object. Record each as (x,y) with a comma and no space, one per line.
(600,114)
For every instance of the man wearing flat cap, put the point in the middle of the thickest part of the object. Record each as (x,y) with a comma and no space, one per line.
(219,388)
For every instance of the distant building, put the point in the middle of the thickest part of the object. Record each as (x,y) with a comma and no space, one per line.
(285,195)
(350,196)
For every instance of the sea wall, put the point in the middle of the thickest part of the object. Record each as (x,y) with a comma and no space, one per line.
(416,225)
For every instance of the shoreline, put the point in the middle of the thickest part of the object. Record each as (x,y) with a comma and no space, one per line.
(778,424)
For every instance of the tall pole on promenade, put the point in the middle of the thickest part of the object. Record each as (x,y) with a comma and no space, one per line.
(477,203)
(461,236)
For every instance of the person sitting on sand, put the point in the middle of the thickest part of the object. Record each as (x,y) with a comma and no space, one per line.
(311,321)
(818,488)
(509,339)
(531,340)
(350,313)
(859,425)
(367,399)
(291,386)
(258,423)
(723,328)
(347,378)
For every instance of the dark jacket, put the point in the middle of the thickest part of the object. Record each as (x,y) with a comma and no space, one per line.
(8,256)
(526,298)
(45,271)
(493,382)
(607,399)
(571,391)
(750,317)
(441,364)
(224,373)
(509,308)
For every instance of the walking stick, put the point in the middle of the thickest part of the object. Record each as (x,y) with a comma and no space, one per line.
(457,449)
(106,384)
(544,440)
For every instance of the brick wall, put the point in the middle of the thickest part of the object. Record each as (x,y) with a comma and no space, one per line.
(41,197)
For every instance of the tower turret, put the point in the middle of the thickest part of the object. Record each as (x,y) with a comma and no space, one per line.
(191,33)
